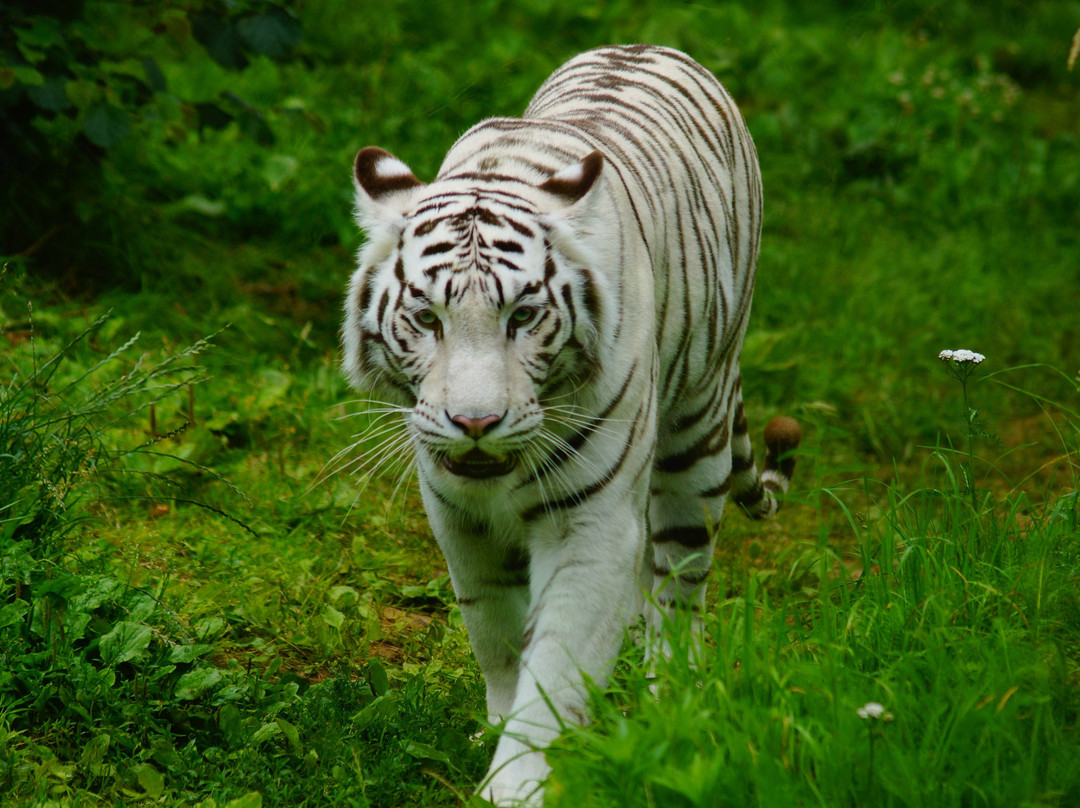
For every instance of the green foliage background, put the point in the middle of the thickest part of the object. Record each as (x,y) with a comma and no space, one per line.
(194,611)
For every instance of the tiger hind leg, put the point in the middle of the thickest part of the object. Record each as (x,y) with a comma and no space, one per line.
(682,538)
(689,490)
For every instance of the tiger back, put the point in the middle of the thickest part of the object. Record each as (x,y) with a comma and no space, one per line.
(559,317)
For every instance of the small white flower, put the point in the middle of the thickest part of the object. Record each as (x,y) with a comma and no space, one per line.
(874,711)
(962,355)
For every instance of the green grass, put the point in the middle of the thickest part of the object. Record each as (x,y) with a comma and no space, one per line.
(193,611)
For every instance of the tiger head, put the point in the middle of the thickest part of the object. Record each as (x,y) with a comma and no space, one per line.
(475,306)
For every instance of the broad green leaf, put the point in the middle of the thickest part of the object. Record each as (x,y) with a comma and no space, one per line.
(123,67)
(252,799)
(126,641)
(274,33)
(82,93)
(154,77)
(221,40)
(28,76)
(44,33)
(165,755)
(265,732)
(94,592)
(32,55)
(383,707)
(209,628)
(195,79)
(423,751)
(377,678)
(331,616)
(51,95)
(150,779)
(94,753)
(75,624)
(231,724)
(138,605)
(279,169)
(194,683)
(188,653)
(291,735)
(254,126)
(13,612)
(106,125)
(343,596)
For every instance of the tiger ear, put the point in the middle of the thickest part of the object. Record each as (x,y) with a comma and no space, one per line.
(378,173)
(574,181)
(577,223)
(383,183)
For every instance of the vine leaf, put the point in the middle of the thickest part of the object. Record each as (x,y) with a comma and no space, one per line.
(106,125)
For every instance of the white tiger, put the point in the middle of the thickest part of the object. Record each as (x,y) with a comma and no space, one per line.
(560,314)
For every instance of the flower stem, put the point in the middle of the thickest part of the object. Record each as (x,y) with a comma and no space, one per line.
(971,444)
(870,770)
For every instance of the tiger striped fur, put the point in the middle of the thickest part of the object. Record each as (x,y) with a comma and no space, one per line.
(560,316)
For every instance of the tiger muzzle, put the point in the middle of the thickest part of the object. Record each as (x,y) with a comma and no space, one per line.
(479,465)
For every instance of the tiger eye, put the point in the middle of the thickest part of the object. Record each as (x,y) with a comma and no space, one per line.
(523,315)
(427,318)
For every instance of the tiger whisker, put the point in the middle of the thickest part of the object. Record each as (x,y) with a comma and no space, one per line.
(359,439)
(389,455)
(387,435)
(370,401)
(585,426)
(582,415)
(570,452)
(403,478)
(389,448)
(375,415)
(550,467)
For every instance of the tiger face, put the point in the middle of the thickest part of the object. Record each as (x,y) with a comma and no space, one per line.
(474,307)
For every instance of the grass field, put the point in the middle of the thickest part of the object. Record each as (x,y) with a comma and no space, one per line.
(197,610)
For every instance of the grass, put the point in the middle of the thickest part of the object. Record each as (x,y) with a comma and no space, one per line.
(193,613)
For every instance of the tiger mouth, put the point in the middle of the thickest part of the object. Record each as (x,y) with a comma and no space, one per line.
(479,465)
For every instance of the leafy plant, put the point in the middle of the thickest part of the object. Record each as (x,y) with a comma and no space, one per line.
(90,91)
(79,641)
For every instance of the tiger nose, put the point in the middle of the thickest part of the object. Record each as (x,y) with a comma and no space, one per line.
(475,427)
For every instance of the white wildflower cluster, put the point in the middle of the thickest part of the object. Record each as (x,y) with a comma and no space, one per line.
(961,356)
(874,711)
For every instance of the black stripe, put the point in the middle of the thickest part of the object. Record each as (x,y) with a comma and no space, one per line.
(708,445)
(742,463)
(577,440)
(739,425)
(686,536)
(579,497)
(367,289)
(435,249)
(749,497)
(717,490)
(426,227)
(519,227)
(689,578)
(517,560)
